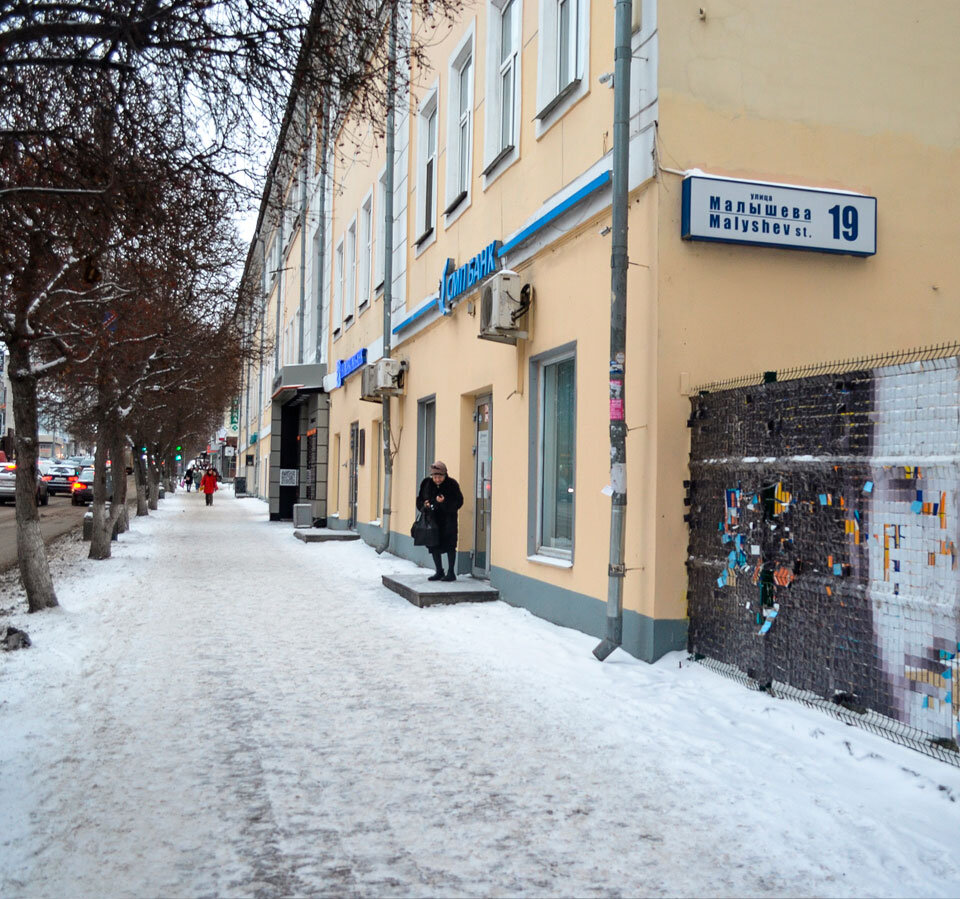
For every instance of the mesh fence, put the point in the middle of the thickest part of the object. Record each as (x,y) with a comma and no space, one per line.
(823,561)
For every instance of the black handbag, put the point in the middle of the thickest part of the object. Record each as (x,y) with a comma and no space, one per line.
(424,530)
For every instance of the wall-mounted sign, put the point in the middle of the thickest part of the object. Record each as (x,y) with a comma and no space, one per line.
(346,367)
(778,215)
(289,477)
(455,282)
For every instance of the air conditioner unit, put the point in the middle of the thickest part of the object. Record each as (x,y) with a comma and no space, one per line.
(381,378)
(502,303)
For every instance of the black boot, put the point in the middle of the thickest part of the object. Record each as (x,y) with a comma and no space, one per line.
(436,577)
(450,575)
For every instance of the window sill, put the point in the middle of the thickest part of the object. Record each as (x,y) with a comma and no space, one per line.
(423,237)
(503,154)
(460,197)
(550,561)
(558,99)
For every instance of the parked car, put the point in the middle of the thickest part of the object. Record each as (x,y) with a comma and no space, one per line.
(8,484)
(60,479)
(81,491)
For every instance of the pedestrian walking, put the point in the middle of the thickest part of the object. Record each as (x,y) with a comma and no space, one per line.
(188,478)
(208,484)
(440,495)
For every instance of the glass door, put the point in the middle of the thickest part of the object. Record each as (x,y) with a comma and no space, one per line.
(354,472)
(483,485)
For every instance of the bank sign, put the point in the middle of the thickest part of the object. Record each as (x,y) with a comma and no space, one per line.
(777,215)
(454,282)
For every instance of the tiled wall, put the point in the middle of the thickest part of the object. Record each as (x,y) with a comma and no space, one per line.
(824,537)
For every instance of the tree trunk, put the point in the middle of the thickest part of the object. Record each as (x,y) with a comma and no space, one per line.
(119,456)
(103,521)
(140,478)
(153,484)
(31,553)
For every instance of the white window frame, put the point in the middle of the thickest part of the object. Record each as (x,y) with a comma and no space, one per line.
(380,241)
(458,195)
(499,155)
(426,232)
(553,98)
(338,290)
(542,364)
(350,273)
(365,253)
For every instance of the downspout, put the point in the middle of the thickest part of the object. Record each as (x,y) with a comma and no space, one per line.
(618,328)
(388,275)
(303,226)
(322,236)
(263,328)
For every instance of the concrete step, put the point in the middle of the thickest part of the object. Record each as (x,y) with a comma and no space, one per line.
(421,592)
(322,535)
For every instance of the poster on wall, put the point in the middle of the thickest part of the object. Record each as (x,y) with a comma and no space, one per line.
(758,213)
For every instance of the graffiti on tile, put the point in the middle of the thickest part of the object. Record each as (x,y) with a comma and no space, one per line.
(824,528)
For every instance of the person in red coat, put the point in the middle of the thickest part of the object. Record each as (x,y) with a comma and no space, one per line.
(208,484)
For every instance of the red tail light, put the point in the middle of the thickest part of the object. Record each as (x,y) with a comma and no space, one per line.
(71,478)
(77,485)
(46,477)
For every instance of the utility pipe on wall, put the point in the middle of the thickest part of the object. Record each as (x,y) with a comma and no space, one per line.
(618,328)
(388,274)
(303,224)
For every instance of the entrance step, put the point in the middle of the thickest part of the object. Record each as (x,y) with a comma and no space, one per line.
(422,592)
(322,535)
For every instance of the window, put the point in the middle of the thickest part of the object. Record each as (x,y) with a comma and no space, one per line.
(364,257)
(338,288)
(350,271)
(556,458)
(568,22)
(381,230)
(426,436)
(460,127)
(376,473)
(503,82)
(508,72)
(561,58)
(427,186)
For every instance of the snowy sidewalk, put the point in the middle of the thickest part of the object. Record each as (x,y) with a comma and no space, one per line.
(223,710)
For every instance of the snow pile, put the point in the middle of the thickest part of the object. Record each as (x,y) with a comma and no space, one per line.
(222,709)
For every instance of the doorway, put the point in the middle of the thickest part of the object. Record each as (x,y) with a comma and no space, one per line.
(483,485)
(353,473)
(289,494)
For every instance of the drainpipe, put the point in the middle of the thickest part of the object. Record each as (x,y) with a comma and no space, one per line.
(303,225)
(321,235)
(388,275)
(618,329)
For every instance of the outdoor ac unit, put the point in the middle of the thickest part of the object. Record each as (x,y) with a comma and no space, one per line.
(381,378)
(501,306)
(302,515)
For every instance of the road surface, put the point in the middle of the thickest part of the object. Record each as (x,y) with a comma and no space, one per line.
(56,518)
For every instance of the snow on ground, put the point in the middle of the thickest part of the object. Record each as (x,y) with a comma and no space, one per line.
(222,709)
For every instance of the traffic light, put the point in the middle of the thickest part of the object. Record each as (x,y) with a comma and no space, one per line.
(178,456)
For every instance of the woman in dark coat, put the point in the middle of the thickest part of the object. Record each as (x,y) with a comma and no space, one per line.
(440,495)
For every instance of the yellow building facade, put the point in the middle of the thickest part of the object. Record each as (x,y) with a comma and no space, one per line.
(504,162)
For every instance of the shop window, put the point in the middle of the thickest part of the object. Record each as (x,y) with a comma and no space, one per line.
(426,436)
(555,455)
